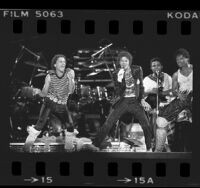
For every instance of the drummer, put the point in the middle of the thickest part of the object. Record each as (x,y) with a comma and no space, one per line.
(59,84)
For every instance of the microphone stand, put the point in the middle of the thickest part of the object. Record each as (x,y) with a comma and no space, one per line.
(34,69)
(157,95)
(102,50)
(102,54)
(34,54)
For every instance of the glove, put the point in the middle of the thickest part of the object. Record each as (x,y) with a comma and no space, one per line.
(120,75)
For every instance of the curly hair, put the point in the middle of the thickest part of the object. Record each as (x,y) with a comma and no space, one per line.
(183,52)
(125,54)
(55,58)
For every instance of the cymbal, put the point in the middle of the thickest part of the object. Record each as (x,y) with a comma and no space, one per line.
(94,73)
(40,74)
(93,65)
(97,63)
(35,65)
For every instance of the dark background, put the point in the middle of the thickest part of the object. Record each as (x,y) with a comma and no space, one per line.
(145,46)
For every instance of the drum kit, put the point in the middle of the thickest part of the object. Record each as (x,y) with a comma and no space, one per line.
(24,104)
(89,94)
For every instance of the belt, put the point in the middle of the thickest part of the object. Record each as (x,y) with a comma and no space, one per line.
(54,99)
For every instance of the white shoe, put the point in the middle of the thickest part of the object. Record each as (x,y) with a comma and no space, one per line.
(33,134)
(32,129)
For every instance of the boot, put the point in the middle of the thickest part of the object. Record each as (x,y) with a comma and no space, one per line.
(33,134)
(70,138)
(161,135)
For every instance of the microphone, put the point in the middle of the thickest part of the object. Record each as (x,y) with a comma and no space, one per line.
(120,75)
(157,72)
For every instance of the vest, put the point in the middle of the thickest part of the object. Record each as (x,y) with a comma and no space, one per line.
(59,88)
(185,82)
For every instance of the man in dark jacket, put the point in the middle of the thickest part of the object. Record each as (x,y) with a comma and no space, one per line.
(129,90)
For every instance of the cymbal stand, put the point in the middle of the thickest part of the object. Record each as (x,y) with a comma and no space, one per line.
(34,69)
(103,54)
(157,97)
(32,75)
(20,54)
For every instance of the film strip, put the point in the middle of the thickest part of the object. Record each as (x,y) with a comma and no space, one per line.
(90,47)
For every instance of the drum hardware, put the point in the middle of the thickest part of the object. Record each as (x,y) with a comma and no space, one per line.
(102,49)
(81,58)
(81,69)
(31,52)
(98,63)
(94,73)
(35,65)
(97,71)
(20,54)
(93,65)
(102,53)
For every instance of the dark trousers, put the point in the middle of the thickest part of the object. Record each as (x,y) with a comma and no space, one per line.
(59,110)
(182,137)
(171,111)
(132,106)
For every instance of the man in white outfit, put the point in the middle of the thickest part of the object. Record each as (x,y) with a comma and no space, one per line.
(182,88)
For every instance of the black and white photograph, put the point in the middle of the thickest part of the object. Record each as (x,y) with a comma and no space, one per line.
(98,82)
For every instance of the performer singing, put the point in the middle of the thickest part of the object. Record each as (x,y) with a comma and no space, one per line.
(129,98)
(59,84)
(182,88)
(151,88)
(158,91)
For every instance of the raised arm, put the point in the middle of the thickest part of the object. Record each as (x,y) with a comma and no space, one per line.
(71,76)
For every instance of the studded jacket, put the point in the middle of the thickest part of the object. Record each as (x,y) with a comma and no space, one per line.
(120,87)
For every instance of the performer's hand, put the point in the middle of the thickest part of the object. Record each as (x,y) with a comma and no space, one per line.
(120,75)
(145,105)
